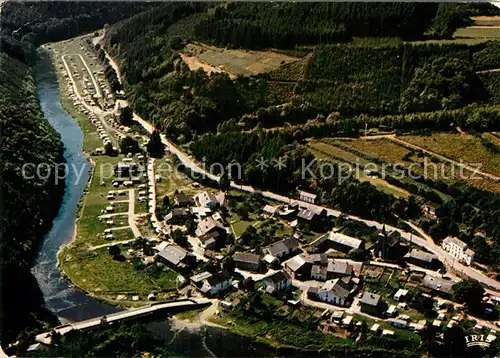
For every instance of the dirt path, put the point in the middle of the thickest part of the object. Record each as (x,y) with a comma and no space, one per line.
(131,214)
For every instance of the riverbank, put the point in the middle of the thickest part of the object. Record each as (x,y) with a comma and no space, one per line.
(85,259)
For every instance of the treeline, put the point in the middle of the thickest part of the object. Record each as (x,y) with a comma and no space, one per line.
(285,25)
(27,206)
(109,71)
(41,22)
(106,341)
(375,77)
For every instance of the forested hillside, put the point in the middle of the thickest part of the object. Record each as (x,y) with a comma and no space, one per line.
(372,75)
(27,206)
(40,22)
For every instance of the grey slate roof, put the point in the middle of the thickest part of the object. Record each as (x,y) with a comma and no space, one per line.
(289,243)
(340,267)
(422,255)
(371,299)
(246,257)
(173,254)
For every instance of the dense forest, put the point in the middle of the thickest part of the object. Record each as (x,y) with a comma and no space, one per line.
(364,73)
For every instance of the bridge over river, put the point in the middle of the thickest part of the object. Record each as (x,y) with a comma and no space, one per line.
(135,313)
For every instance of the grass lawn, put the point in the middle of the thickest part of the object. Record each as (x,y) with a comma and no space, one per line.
(278,333)
(98,272)
(191,315)
(89,225)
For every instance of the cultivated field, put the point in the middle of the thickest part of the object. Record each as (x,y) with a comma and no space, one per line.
(453,146)
(326,149)
(233,62)
(483,32)
(467,148)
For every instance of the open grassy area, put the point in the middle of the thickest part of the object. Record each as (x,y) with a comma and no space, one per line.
(98,272)
(172,179)
(278,333)
(326,149)
(234,62)
(490,33)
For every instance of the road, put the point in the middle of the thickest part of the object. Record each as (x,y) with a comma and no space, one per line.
(190,163)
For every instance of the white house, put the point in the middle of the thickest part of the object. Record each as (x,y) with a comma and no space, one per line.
(307,197)
(278,281)
(458,249)
(335,292)
(211,284)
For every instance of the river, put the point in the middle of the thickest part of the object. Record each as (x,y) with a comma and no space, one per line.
(72,304)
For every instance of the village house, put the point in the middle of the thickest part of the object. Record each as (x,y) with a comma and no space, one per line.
(277,282)
(371,303)
(283,247)
(307,197)
(336,241)
(437,286)
(247,261)
(344,243)
(334,292)
(176,216)
(298,267)
(208,200)
(458,249)
(210,232)
(182,199)
(318,259)
(175,257)
(422,259)
(305,216)
(211,284)
(338,268)
(288,212)
(319,273)
(270,210)
(337,291)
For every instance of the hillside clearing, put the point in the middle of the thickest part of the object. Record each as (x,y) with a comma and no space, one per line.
(234,62)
